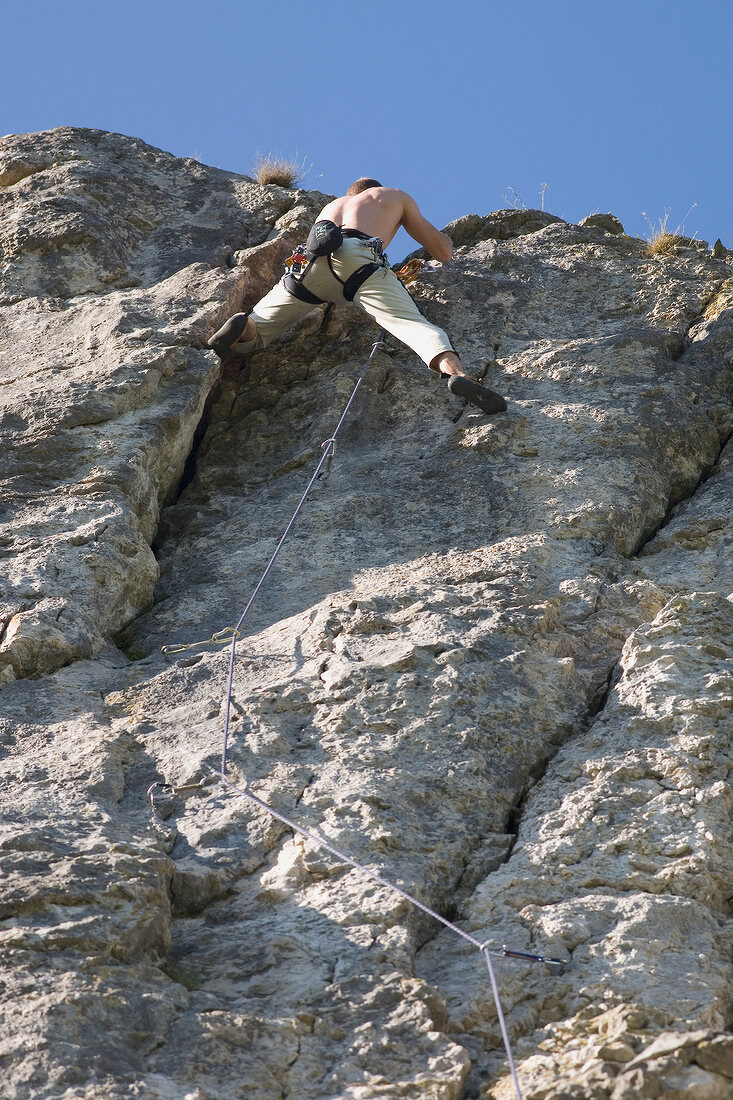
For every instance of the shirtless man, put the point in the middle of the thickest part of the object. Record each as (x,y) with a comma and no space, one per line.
(368,215)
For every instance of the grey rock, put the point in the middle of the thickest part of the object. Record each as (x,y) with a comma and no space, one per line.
(502,225)
(492,663)
(607,222)
(715,1053)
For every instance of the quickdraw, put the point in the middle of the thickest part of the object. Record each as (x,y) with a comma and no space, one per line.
(409,271)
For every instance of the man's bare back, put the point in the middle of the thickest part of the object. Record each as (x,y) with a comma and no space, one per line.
(381,211)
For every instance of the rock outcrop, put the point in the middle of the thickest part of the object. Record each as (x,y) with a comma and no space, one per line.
(493,662)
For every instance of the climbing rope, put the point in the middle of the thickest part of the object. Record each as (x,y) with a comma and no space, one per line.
(556,965)
(231,635)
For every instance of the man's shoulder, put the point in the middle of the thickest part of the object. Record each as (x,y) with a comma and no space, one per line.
(391,192)
(395,198)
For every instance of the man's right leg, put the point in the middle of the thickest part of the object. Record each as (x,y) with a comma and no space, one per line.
(462,385)
(385,299)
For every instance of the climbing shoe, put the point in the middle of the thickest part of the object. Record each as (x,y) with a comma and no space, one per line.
(486,400)
(231,331)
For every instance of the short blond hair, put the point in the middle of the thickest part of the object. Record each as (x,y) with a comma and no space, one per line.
(362,185)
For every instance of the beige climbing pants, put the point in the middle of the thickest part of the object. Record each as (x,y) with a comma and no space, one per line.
(382,296)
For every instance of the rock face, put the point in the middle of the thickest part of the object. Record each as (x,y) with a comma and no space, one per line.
(493,662)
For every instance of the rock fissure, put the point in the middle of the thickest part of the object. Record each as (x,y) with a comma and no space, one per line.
(675,505)
(220,391)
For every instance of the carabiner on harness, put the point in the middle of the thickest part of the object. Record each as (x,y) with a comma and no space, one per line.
(296,262)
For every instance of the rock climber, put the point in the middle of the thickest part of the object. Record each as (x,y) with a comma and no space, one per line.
(344,260)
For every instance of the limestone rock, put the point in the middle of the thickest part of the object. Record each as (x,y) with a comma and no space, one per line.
(607,222)
(720,252)
(492,664)
(503,225)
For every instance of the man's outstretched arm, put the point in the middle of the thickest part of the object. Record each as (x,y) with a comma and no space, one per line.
(438,244)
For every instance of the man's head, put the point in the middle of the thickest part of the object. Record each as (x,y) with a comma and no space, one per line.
(362,185)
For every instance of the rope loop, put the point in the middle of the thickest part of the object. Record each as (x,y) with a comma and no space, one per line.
(220,637)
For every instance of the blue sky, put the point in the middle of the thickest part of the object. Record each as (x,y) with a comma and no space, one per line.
(622,106)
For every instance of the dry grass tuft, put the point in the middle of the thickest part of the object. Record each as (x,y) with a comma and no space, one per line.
(661,241)
(279,170)
(662,244)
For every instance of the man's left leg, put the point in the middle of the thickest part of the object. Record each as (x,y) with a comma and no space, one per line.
(274,314)
(238,327)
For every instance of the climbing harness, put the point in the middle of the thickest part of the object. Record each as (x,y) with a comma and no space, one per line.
(356,280)
(324,239)
(231,635)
